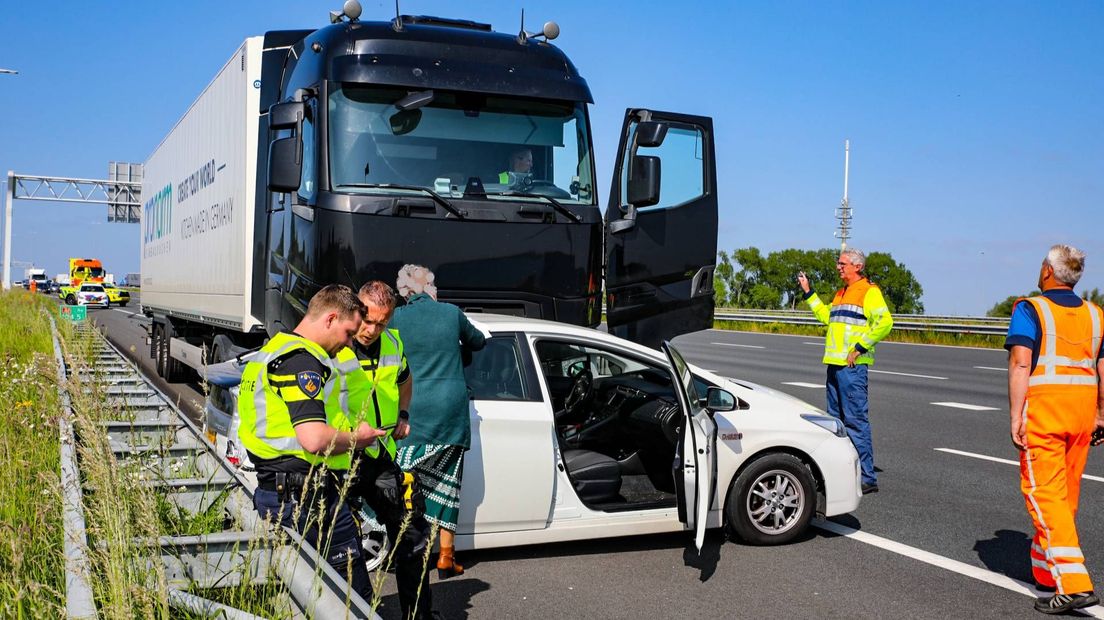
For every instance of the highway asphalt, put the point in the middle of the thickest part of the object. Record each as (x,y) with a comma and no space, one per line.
(946,537)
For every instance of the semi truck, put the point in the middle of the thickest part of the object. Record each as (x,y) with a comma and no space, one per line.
(339,154)
(35,277)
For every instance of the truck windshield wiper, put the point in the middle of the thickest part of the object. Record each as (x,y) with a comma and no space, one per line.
(439,199)
(552,201)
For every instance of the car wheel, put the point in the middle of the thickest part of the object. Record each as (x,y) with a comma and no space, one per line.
(71,299)
(122,304)
(771,502)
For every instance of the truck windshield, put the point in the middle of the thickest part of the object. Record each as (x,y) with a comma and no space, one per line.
(459,144)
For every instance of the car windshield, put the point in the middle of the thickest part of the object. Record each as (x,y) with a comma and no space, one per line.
(459,143)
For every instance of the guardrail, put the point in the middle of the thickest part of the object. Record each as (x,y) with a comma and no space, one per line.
(982,325)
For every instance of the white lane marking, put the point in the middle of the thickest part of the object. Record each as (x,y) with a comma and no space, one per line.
(907,374)
(134,314)
(803,384)
(962,568)
(999,460)
(991,368)
(966,406)
(815,344)
(732,344)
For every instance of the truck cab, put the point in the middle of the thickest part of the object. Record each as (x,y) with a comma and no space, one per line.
(395,142)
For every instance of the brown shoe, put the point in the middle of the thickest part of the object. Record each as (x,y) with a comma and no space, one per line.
(447,565)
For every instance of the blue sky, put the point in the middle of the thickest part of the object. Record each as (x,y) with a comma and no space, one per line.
(977,128)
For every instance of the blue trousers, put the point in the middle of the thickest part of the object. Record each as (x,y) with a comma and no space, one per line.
(847,401)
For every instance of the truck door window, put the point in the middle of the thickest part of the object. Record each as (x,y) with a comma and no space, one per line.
(309,185)
(682,167)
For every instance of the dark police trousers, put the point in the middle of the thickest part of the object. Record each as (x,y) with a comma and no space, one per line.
(338,531)
(378,482)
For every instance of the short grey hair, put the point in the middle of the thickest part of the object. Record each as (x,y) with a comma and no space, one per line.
(857,257)
(415,279)
(1067,262)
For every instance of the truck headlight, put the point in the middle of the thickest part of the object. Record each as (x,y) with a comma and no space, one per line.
(826,422)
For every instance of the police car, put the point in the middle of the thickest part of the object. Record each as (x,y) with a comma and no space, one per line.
(578,434)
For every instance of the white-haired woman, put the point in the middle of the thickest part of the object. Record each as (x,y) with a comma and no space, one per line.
(432,333)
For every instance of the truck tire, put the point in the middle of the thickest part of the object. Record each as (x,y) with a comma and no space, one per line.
(771,502)
(171,370)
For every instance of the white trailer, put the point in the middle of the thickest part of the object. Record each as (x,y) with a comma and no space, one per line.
(197,220)
(199,186)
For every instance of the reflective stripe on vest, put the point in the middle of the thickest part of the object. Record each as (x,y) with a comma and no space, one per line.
(1079,363)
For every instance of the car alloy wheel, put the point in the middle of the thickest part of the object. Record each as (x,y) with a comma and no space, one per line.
(771,501)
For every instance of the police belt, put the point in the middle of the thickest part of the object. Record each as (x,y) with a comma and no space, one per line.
(289,485)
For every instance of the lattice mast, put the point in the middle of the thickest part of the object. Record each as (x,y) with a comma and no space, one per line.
(843,213)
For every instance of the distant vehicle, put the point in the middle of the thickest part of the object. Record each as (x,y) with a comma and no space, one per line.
(133,280)
(92,295)
(81,270)
(116,295)
(37,276)
(337,155)
(22,283)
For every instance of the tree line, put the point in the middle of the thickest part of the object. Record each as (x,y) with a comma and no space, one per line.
(1004,307)
(747,279)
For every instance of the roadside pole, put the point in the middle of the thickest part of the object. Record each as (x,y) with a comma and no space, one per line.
(8,191)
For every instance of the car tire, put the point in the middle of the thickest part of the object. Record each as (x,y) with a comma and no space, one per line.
(122,304)
(771,501)
(71,299)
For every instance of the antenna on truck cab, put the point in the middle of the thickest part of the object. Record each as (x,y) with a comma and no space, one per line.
(550,31)
(397,25)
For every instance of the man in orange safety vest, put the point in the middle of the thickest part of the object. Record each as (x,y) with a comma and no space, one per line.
(1054,368)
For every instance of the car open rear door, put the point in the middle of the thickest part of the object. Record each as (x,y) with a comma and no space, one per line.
(661,228)
(695,465)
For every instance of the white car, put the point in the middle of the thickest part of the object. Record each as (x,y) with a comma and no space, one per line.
(577,434)
(92,295)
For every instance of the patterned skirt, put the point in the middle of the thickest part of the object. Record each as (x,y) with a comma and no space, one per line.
(438,469)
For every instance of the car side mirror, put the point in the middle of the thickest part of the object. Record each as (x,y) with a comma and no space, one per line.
(644,177)
(717,399)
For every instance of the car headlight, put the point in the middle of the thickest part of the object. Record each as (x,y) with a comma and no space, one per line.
(826,422)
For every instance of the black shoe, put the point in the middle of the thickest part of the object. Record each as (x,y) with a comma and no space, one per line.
(867,489)
(1061,603)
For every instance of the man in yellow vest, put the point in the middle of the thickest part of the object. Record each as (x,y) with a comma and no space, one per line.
(520,168)
(1054,369)
(375,386)
(857,320)
(300,458)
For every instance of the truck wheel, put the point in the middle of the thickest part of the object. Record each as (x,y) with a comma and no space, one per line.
(171,370)
(771,502)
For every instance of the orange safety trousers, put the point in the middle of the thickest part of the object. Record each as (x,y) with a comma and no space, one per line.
(1059,416)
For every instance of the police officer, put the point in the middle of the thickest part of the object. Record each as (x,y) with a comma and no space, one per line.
(375,386)
(300,458)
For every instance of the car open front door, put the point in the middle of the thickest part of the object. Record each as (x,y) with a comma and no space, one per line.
(695,465)
(661,228)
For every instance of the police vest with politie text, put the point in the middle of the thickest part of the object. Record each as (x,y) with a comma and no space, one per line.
(371,396)
(266,429)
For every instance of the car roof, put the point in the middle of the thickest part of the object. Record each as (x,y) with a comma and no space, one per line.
(505,323)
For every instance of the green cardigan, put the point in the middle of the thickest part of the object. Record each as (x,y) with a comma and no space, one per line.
(432,333)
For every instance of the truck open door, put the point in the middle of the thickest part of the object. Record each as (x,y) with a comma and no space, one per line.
(661,228)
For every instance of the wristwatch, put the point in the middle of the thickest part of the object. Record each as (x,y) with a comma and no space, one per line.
(404,415)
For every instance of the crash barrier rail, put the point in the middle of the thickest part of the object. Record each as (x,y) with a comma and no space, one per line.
(150,427)
(989,326)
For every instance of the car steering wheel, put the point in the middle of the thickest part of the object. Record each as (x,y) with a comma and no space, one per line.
(582,388)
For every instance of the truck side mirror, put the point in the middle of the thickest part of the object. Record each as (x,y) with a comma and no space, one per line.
(643,186)
(285,155)
(650,134)
(285,164)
